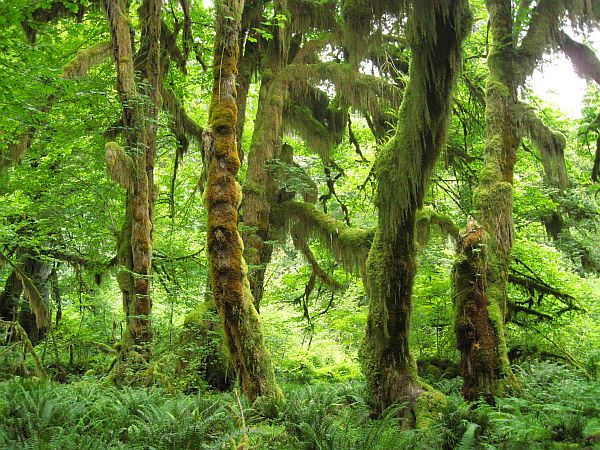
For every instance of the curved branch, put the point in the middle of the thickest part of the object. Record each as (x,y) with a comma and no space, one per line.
(551,145)
(584,59)
(301,245)
(349,245)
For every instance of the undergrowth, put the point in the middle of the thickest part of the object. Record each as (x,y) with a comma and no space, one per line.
(555,408)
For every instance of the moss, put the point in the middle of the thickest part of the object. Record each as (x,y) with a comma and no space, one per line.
(120,166)
(253,188)
(79,66)
(349,245)
(228,272)
(428,407)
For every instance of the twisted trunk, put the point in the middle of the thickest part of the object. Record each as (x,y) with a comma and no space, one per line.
(228,271)
(436,33)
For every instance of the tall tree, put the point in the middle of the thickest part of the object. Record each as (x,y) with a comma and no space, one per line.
(480,276)
(228,270)
(133,167)
(435,32)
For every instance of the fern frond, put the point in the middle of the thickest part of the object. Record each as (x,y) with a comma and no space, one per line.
(467,442)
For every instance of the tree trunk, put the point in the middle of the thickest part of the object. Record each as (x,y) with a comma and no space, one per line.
(229,282)
(134,167)
(39,273)
(477,335)
(9,298)
(480,316)
(436,33)
(260,188)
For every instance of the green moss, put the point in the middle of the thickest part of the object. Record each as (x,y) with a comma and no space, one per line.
(253,188)
(428,407)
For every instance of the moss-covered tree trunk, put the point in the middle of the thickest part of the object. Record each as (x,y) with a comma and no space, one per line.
(133,167)
(9,298)
(436,31)
(260,188)
(38,272)
(229,277)
(480,309)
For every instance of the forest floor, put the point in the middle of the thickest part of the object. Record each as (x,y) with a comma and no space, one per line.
(556,407)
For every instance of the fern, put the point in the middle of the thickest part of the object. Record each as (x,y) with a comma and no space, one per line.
(467,442)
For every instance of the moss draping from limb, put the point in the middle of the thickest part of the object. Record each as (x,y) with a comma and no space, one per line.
(36,302)
(428,217)
(51,12)
(544,30)
(583,58)
(551,145)
(120,166)
(77,67)
(362,23)
(349,245)
(311,14)
(365,93)
(302,245)
(320,134)
(92,56)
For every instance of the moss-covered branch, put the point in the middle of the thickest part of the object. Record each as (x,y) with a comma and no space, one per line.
(349,245)
(428,217)
(120,166)
(544,30)
(302,245)
(305,15)
(551,145)
(542,288)
(92,56)
(583,58)
(365,93)
(52,11)
(181,119)
(315,119)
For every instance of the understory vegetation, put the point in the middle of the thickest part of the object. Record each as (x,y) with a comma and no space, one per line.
(556,408)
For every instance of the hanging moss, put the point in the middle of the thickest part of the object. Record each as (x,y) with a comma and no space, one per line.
(365,93)
(120,166)
(305,15)
(428,217)
(92,56)
(349,245)
(302,245)
(435,33)
(363,23)
(319,121)
(551,145)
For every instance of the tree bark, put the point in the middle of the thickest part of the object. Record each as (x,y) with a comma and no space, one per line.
(134,167)
(436,33)
(479,319)
(229,279)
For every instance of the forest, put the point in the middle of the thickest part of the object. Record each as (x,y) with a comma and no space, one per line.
(298,224)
